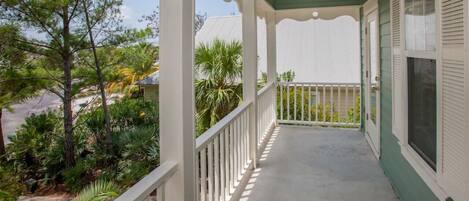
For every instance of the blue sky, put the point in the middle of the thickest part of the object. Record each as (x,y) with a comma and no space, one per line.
(132,10)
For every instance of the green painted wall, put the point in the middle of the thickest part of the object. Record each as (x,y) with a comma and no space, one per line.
(289,4)
(362,72)
(151,93)
(408,185)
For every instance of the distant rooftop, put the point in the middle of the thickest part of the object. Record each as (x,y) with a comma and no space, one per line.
(152,79)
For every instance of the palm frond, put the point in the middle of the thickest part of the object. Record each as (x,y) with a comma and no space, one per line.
(100,190)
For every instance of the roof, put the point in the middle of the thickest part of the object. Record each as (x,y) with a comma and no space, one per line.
(152,79)
(317,50)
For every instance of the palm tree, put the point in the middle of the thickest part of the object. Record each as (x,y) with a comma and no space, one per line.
(138,62)
(218,88)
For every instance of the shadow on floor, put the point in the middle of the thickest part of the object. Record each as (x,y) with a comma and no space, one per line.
(318,164)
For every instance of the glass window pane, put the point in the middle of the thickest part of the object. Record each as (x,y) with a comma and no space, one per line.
(422,108)
(420,24)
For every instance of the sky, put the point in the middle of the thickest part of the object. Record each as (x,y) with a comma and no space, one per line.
(133,10)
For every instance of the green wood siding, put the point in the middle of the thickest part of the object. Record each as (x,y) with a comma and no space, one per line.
(363,70)
(289,4)
(408,185)
(151,93)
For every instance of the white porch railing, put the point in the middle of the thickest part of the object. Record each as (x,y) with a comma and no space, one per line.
(151,185)
(265,111)
(222,155)
(323,104)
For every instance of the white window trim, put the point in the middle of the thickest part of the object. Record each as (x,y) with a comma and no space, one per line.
(428,175)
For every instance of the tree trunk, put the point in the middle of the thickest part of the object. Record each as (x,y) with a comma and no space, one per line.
(67,100)
(2,143)
(99,73)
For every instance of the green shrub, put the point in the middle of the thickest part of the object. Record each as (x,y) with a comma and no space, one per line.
(125,114)
(10,184)
(139,150)
(37,149)
(80,175)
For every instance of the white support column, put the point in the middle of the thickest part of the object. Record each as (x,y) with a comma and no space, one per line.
(177,131)
(271,25)
(249,21)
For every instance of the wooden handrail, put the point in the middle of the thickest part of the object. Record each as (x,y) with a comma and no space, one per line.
(141,190)
(320,83)
(223,123)
(265,88)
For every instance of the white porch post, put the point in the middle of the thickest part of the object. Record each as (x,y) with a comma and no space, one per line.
(249,21)
(271,25)
(177,141)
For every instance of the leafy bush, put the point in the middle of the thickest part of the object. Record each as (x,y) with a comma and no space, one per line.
(36,153)
(139,149)
(10,184)
(37,149)
(125,114)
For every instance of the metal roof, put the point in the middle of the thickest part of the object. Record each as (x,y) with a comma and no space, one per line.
(152,79)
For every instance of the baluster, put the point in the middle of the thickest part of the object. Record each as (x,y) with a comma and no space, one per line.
(160,193)
(217,168)
(332,104)
(232,166)
(210,172)
(240,164)
(318,101)
(302,102)
(235,157)
(222,166)
(227,162)
(294,105)
(309,103)
(360,93)
(346,98)
(354,103)
(203,172)
(241,136)
(324,103)
(197,175)
(338,103)
(281,100)
(288,101)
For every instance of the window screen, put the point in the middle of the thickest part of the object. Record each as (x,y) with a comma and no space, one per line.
(422,108)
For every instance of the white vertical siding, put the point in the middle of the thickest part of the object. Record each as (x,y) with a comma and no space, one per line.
(317,50)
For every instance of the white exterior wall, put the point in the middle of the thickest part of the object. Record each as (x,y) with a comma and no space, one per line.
(317,50)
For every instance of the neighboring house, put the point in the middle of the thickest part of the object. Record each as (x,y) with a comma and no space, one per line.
(310,48)
(150,86)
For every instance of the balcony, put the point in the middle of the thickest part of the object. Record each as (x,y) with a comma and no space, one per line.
(302,153)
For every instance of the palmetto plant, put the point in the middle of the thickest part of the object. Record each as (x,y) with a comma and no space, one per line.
(218,87)
(99,191)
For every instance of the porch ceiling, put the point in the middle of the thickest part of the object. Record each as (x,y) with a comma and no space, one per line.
(292,4)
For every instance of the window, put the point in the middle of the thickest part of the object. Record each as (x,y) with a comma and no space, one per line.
(420,57)
(420,25)
(422,108)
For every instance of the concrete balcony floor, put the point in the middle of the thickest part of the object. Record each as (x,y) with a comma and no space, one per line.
(318,164)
